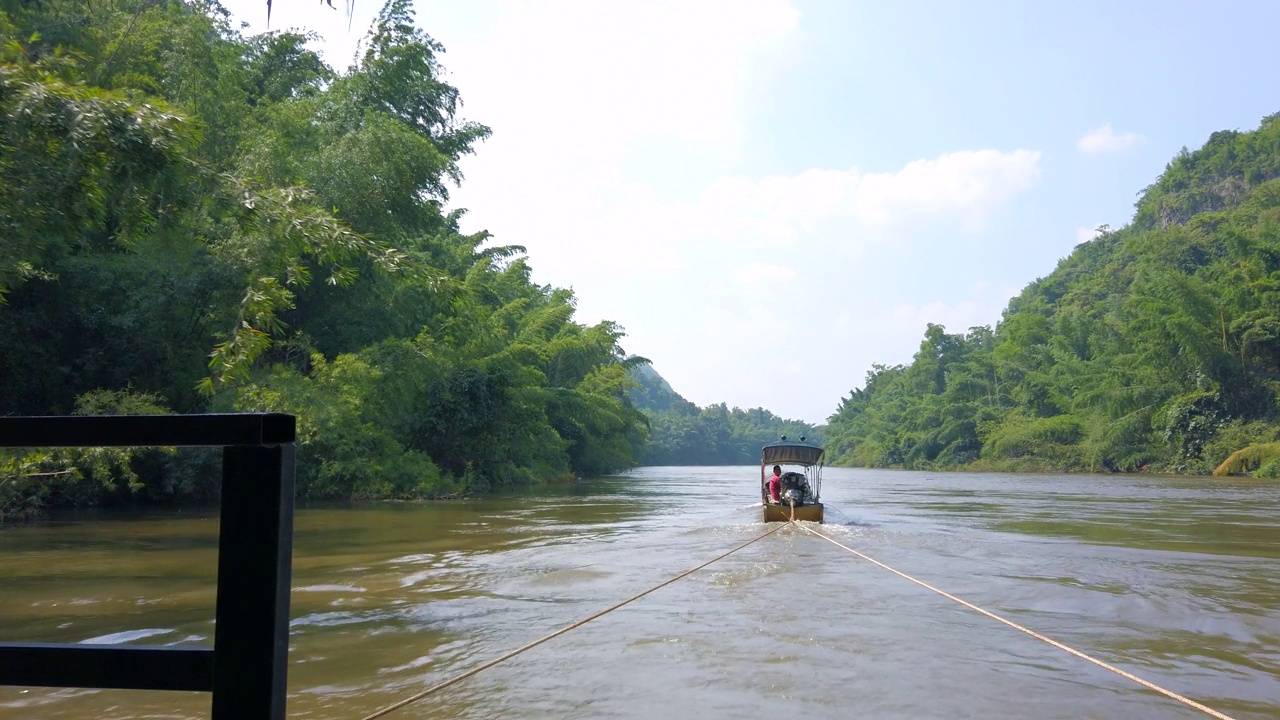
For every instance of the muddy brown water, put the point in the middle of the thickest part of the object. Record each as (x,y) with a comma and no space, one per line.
(1174,579)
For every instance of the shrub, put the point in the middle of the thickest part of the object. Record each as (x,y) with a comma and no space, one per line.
(1261,457)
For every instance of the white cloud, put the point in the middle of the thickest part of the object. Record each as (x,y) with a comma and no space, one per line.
(964,186)
(967,184)
(757,274)
(1105,140)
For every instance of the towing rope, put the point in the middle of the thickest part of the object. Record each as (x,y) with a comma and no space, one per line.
(480,668)
(1145,683)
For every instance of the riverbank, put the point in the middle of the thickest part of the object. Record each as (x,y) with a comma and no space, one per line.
(33,505)
(1041,466)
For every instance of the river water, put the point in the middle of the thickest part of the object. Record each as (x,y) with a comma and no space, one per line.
(1175,580)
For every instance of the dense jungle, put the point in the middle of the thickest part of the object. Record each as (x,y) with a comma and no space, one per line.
(199,221)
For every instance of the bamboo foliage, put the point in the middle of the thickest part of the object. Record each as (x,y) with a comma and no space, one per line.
(222,223)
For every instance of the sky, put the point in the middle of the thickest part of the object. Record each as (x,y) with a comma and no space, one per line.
(771,196)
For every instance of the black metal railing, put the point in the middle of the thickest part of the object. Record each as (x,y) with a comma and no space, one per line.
(247,666)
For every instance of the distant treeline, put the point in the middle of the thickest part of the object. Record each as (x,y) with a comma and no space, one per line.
(1152,347)
(683,434)
(193,220)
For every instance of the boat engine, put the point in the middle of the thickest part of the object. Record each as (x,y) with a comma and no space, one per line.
(794,489)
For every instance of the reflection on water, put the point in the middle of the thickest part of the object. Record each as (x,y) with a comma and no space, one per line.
(1173,579)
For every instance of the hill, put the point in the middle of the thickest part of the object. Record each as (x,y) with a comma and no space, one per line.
(1153,347)
(681,433)
(655,394)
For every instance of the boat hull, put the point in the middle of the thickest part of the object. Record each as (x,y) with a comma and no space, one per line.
(782,513)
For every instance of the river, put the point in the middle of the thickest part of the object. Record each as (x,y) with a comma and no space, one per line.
(1174,579)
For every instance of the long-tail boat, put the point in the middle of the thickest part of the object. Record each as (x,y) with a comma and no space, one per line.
(800,480)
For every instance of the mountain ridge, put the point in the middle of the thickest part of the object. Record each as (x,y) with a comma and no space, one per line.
(1154,347)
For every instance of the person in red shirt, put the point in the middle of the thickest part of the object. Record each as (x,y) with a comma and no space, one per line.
(775,484)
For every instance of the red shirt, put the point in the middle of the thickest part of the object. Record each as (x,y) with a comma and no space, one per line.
(775,484)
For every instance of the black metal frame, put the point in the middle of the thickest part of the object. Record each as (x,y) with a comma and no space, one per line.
(247,667)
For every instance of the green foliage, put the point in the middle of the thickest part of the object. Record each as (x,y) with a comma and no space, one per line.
(654,393)
(1216,177)
(83,476)
(1016,438)
(1154,347)
(1262,458)
(79,167)
(344,451)
(279,67)
(227,222)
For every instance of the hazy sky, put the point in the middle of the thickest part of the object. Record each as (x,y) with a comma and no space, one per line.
(772,195)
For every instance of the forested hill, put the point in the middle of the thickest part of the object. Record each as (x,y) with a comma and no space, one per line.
(193,220)
(652,392)
(1152,347)
(681,433)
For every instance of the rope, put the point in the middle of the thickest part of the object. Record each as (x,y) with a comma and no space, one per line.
(476,670)
(1145,683)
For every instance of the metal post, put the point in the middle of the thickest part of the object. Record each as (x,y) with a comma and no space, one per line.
(255,543)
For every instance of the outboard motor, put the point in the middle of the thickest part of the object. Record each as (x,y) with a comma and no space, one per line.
(795,488)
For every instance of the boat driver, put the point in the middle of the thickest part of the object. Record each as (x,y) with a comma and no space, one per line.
(775,485)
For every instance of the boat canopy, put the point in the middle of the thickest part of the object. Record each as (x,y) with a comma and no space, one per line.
(795,453)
